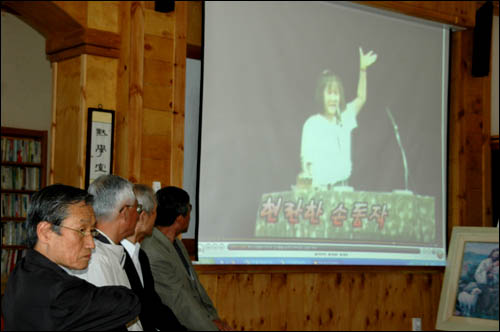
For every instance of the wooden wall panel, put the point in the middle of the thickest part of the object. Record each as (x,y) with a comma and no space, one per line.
(101,82)
(194,28)
(158,48)
(155,146)
(156,170)
(158,97)
(159,24)
(459,13)
(469,185)
(103,15)
(157,122)
(158,72)
(160,124)
(323,301)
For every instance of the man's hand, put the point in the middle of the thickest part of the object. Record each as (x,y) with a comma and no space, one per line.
(366,60)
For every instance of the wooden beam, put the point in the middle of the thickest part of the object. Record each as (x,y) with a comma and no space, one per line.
(46,17)
(83,49)
(458,13)
(90,37)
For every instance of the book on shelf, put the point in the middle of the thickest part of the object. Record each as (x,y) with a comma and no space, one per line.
(21,150)
(10,257)
(20,178)
(14,233)
(14,205)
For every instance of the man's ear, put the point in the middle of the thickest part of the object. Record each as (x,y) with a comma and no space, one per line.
(44,231)
(179,218)
(142,217)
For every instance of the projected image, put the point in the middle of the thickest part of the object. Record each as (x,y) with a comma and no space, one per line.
(322,204)
(326,137)
(323,136)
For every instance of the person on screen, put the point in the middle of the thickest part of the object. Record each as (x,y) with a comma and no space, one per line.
(41,295)
(326,137)
(175,278)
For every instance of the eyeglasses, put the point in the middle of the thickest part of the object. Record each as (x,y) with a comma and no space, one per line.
(93,232)
(139,208)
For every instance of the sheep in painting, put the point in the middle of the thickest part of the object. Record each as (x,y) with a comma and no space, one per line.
(468,301)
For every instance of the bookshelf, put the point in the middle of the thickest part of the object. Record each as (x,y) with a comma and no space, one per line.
(23,172)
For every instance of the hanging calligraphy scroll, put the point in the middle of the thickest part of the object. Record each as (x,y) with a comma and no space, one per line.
(100,132)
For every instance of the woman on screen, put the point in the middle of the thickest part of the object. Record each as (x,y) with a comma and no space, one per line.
(326,136)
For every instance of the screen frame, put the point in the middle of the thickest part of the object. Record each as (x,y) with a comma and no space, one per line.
(245,268)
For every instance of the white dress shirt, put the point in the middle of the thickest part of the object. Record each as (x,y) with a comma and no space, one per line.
(106,269)
(133,251)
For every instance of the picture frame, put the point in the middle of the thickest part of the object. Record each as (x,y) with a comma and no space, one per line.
(100,143)
(469,296)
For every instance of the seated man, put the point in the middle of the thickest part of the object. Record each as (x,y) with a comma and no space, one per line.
(40,294)
(116,211)
(154,314)
(175,278)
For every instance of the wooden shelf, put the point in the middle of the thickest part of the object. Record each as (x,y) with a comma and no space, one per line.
(14,247)
(39,181)
(18,219)
(17,191)
(17,164)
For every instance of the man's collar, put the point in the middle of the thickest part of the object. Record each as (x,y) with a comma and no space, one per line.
(104,238)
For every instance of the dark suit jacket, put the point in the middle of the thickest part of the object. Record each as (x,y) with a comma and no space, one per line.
(154,314)
(41,296)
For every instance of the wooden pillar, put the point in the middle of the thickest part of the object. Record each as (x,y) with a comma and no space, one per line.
(135,110)
(121,165)
(66,158)
(469,186)
(181,9)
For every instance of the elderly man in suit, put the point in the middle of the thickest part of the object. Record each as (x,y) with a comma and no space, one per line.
(40,294)
(176,280)
(154,316)
(117,211)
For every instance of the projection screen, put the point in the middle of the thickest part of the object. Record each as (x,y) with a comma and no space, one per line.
(323,136)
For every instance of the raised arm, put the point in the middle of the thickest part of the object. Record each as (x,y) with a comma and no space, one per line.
(365,61)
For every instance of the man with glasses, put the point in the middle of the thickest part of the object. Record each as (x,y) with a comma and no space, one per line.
(116,211)
(154,314)
(175,279)
(40,294)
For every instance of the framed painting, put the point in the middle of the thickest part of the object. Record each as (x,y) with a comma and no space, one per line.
(469,297)
(100,134)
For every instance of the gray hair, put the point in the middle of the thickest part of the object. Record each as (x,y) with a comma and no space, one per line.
(110,193)
(146,197)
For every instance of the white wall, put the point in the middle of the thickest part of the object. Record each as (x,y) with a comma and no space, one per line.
(26,84)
